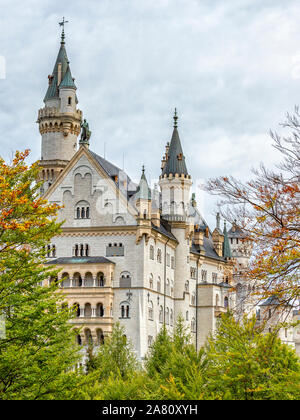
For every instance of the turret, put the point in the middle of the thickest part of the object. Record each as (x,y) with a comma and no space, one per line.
(59,120)
(175,182)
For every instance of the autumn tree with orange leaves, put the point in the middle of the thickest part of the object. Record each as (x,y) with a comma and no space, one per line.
(36,342)
(267,209)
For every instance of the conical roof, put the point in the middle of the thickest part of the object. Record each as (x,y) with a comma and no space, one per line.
(175,159)
(62,59)
(68,81)
(143,191)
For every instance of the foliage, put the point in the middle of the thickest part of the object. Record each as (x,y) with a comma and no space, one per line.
(245,364)
(267,209)
(36,351)
(115,358)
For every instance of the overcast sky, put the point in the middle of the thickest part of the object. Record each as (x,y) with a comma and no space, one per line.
(232,69)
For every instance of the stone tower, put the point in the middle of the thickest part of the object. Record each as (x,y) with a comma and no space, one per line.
(241,250)
(175,183)
(59,121)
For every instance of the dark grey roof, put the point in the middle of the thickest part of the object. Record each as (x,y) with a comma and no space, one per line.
(223,284)
(80,260)
(175,159)
(164,229)
(208,249)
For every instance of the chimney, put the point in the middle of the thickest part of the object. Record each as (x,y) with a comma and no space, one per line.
(198,236)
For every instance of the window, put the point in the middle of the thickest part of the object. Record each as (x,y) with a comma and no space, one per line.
(100,310)
(150,341)
(167,316)
(168,260)
(186,286)
(151,281)
(214,277)
(204,275)
(159,255)
(193,272)
(171,318)
(193,298)
(173,263)
(226,302)
(125,279)
(159,285)
(168,287)
(187,315)
(150,311)
(82,210)
(125,310)
(161,315)
(151,252)
(69,100)
(193,325)
(115,250)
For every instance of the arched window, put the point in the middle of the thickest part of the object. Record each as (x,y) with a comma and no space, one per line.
(100,310)
(193,325)
(78,339)
(150,311)
(77,280)
(167,316)
(65,280)
(226,302)
(82,210)
(161,315)
(168,287)
(151,252)
(171,318)
(186,286)
(159,255)
(100,337)
(100,280)
(159,285)
(193,299)
(53,251)
(125,309)
(76,307)
(87,310)
(88,280)
(88,336)
(125,279)
(151,281)
(87,251)
(81,250)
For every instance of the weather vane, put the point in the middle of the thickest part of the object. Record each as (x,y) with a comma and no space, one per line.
(63,28)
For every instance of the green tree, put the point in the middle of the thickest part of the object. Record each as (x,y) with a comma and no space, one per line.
(115,358)
(37,351)
(245,364)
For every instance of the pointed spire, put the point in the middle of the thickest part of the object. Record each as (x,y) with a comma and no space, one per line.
(175,159)
(226,246)
(143,192)
(60,69)
(68,81)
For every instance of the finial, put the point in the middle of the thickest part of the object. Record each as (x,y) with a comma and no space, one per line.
(143,169)
(175,118)
(62,23)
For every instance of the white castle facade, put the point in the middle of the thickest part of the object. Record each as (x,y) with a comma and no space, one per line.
(127,253)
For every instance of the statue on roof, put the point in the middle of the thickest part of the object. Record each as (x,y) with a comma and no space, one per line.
(85,132)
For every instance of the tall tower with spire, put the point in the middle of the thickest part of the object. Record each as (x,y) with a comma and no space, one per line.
(175,183)
(59,121)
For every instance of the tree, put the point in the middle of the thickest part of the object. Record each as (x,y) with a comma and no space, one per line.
(115,358)
(245,364)
(36,352)
(267,209)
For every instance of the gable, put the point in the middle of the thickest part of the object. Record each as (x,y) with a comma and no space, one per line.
(89,196)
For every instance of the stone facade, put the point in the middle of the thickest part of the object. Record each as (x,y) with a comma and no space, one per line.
(126,253)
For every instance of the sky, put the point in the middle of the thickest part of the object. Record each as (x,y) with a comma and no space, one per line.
(232,69)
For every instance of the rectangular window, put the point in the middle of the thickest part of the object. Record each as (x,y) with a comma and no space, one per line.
(168,260)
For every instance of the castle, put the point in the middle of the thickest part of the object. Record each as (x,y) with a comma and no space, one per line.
(128,253)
